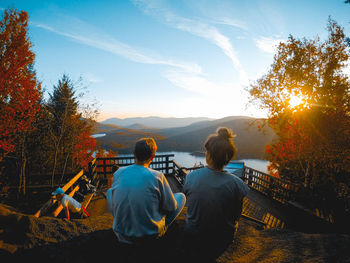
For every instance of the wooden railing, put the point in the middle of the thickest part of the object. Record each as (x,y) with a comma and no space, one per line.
(179,172)
(101,169)
(273,187)
(104,167)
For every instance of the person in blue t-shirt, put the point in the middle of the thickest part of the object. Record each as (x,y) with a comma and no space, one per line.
(141,200)
(214,198)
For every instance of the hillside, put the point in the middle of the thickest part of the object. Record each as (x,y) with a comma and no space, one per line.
(249,141)
(154,122)
(102,128)
(122,139)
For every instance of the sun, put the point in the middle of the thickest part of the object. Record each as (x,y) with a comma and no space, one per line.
(295,101)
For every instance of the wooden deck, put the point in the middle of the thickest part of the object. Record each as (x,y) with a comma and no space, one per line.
(259,207)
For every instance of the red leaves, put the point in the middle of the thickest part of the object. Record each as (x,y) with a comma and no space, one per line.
(84,148)
(19,89)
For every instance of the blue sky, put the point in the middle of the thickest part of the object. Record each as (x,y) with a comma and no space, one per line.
(178,58)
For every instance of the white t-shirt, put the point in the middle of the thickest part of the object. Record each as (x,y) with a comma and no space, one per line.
(139,200)
(73,205)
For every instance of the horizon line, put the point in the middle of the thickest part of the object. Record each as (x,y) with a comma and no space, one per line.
(170,117)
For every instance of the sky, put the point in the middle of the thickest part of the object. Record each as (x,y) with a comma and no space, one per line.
(168,58)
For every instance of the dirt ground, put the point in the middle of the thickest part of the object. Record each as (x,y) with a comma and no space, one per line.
(47,239)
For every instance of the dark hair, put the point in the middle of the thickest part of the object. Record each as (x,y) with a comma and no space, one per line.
(145,148)
(220,147)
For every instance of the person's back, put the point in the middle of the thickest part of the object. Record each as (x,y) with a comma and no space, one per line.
(141,200)
(137,195)
(214,199)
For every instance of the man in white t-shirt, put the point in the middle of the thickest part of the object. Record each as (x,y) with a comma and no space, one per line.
(68,203)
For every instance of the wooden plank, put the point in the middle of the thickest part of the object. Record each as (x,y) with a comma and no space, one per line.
(253,219)
(266,217)
(72,181)
(273,222)
(87,200)
(45,208)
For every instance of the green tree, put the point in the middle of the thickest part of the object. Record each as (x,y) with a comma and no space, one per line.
(68,130)
(307,96)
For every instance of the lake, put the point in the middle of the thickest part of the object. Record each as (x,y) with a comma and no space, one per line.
(98,135)
(185,159)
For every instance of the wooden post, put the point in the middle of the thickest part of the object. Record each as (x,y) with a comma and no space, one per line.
(104,169)
(250,177)
(167,165)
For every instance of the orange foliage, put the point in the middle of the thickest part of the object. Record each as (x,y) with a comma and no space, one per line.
(84,148)
(19,89)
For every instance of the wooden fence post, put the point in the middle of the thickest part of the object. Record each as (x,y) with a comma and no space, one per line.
(167,165)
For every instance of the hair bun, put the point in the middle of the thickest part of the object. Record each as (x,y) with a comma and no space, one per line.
(225,133)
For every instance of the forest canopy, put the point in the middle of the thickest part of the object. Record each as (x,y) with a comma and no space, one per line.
(38,138)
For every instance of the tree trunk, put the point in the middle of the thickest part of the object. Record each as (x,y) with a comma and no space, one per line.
(307,176)
(22,173)
(62,130)
(64,168)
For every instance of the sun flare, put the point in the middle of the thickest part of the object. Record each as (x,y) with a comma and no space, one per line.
(295,101)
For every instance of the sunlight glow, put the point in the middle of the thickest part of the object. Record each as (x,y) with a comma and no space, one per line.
(295,101)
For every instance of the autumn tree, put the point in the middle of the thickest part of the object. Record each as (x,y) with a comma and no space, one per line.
(19,88)
(70,133)
(307,95)
(59,140)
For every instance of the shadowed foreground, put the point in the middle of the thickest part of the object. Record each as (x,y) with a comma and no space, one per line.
(24,237)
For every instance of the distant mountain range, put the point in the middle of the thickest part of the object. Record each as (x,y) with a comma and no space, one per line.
(188,138)
(153,122)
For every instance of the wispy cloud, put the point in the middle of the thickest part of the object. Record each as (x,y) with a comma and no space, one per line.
(101,41)
(230,22)
(268,44)
(92,78)
(191,82)
(200,85)
(195,27)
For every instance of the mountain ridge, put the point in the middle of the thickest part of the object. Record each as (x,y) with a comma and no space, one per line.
(249,141)
(154,121)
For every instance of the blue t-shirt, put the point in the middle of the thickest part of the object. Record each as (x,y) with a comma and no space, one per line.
(214,200)
(139,200)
